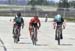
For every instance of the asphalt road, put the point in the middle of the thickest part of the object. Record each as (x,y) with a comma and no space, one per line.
(46,37)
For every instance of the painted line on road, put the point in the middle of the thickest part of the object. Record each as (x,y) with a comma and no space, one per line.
(4,47)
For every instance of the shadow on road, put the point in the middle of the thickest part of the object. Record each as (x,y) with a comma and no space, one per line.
(25,43)
(66,44)
(23,38)
(41,44)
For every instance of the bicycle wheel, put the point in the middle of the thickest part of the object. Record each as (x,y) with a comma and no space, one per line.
(34,37)
(16,36)
(33,40)
(15,40)
(58,33)
(59,29)
(58,39)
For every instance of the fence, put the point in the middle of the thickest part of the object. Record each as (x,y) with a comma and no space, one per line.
(39,10)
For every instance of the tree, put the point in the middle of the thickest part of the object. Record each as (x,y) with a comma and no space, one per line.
(33,3)
(12,1)
(63,4)
(38,2)
(72,4)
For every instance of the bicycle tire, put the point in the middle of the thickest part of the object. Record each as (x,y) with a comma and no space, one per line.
(58,39)
(33,37)
(16,36)
(58,35)
(33,40)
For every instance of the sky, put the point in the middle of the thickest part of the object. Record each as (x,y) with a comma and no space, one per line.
(58,0)
(54,0)
(48,0)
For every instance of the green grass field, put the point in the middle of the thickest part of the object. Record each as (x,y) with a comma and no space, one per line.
(70,19)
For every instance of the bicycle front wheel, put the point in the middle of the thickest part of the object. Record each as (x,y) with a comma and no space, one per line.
(58,39)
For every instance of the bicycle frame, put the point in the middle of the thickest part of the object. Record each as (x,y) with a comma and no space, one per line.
(33,35)
(16,35)
(58,32)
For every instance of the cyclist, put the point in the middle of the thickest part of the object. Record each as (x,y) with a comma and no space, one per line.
(58,20)
(46,17)
(36,23)
(18,21)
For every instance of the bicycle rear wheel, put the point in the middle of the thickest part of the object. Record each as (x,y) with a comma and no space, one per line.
(16,36)
(33,40)
(59,30)
(58,38)
(15,40)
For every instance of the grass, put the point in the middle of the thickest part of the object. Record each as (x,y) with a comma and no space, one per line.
(70,19)
(9,7)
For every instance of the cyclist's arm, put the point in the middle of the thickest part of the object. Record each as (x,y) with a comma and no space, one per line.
(14,20)
(31,21)
(62,19)
(22,23)
(54,23)
(39,23)
(63,23)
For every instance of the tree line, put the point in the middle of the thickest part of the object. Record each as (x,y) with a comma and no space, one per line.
(61,3)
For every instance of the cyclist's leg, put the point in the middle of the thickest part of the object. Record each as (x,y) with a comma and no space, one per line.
(13,28)
(56,34)
(14,31)
(61,36)
(36,34)
(30,30)
(19,29)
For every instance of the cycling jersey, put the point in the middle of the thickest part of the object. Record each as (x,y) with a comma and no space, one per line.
(18,21)
(34,22)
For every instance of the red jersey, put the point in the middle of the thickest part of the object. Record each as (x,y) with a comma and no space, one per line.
(33,20)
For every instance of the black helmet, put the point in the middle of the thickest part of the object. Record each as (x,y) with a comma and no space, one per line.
(18,14)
